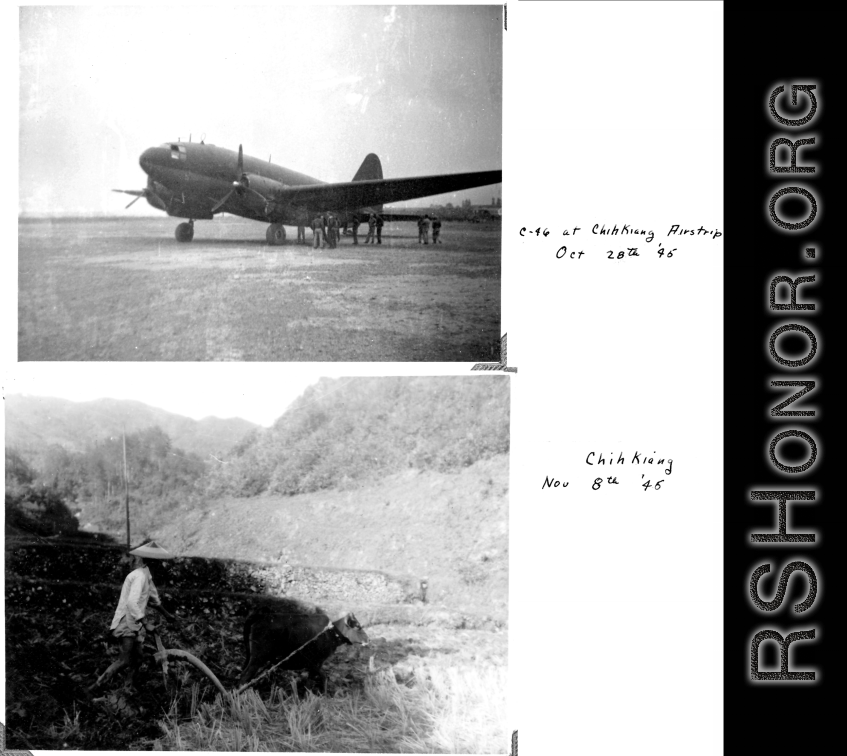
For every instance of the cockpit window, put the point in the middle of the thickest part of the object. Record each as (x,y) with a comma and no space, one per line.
(178,152)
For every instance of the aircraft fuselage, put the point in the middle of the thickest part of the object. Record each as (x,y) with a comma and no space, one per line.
(190,179)
(197,180)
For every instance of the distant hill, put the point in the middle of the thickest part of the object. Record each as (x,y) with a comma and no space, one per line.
(33,423)
(344,431)
(404,475)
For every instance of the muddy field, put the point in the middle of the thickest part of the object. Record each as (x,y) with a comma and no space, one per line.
(124,289)
(54,658)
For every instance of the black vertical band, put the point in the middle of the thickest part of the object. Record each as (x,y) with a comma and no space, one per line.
(783,460)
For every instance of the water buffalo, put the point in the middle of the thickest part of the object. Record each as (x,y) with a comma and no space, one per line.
(271,634)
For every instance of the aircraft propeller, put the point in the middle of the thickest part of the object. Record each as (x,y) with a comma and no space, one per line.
(240,186)
(138,193)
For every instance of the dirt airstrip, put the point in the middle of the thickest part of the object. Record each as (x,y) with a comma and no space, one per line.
(124,289)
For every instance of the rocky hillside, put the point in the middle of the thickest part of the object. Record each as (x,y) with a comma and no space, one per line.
(342,432)
(449,527)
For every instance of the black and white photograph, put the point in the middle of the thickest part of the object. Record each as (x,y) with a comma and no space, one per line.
(315,444)
(326,571)
(263,184)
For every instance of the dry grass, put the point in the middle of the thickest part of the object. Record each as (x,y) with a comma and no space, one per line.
(126,290)
(437,709)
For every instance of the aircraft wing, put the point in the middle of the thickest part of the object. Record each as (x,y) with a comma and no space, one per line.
(359,194)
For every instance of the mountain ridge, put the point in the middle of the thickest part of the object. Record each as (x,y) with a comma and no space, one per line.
(33,423)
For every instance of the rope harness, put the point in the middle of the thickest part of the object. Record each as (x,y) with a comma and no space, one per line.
(270,669)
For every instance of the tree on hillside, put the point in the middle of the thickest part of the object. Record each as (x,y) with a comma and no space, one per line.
(60,472)
(18,470)
(160,477)
(153,465)
(39,511)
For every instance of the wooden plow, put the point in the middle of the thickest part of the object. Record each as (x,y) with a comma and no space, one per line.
(162,654)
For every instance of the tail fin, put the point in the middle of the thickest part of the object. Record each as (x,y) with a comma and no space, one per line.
(369,170)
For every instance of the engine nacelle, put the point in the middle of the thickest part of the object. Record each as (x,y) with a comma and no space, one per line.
(264,186)
(155,194)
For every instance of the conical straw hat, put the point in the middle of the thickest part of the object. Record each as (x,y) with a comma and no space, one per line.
(151,550)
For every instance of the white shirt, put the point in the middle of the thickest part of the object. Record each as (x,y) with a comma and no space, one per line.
(138,588)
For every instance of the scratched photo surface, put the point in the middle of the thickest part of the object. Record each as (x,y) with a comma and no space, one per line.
(167,158)
(336,553)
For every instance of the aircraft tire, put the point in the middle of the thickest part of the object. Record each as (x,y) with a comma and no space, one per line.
(184,232)
(275,234)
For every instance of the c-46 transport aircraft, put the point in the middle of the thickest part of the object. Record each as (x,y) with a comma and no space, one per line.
(197,180)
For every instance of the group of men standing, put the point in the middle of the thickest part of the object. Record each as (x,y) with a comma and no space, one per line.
(375,224)
(424,225)
(327,231)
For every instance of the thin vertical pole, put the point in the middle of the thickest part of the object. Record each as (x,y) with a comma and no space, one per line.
(126,493)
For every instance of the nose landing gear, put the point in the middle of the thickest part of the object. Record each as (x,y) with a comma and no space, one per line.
(185,231)
(275,234)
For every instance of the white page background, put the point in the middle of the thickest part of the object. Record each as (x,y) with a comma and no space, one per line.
(613,114)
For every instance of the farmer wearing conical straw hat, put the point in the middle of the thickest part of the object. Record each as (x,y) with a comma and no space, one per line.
(129,624)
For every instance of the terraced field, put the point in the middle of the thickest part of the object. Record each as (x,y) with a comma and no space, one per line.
(432,679)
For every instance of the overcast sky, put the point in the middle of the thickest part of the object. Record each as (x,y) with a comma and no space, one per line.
(194,390)
(316,88)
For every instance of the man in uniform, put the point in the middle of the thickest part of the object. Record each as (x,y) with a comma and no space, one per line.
(319,231)
(379,225)
(426,224)
(354,225)
(436,230)
(371,229)
(332,230)
(130,624)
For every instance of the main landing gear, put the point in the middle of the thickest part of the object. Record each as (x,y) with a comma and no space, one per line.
(185,231)
(275,234)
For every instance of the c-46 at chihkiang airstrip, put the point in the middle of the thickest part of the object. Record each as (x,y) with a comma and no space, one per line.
(198,180)
(118,288)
